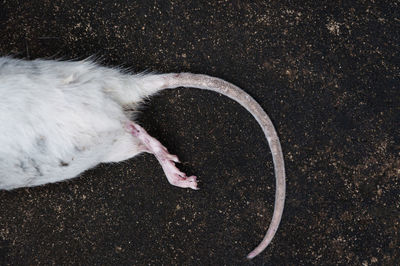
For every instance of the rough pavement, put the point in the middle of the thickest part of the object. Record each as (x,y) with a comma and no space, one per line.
(326,72)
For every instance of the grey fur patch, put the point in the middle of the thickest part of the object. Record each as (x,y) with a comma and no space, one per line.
(63,164)
(36,166)
(41,144)
(23,166)
(5,63)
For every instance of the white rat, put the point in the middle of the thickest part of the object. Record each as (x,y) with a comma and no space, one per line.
(60,118)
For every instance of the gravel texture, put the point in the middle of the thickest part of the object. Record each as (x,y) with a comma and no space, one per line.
(327,72)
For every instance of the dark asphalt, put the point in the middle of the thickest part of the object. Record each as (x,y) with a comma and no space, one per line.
(328,75)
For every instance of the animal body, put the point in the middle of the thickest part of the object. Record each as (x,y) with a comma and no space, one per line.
(60,118)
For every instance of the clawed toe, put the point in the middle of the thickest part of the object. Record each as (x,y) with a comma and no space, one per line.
(173,158)
(180,179)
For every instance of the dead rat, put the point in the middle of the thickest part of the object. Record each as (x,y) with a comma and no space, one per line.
(60,118)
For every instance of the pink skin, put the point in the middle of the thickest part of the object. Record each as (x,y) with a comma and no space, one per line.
(174,175)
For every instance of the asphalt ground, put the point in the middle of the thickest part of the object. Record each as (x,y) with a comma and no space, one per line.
(327,73)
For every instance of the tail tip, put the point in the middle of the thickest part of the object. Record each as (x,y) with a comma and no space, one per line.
(252,254)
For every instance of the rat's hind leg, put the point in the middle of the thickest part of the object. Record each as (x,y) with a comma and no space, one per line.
(151,145)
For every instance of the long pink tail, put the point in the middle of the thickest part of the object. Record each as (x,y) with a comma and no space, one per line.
(237,94)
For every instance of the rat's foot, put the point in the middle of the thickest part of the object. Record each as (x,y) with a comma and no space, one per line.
(174,175)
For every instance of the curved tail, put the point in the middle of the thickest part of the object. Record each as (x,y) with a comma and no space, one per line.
(218,85)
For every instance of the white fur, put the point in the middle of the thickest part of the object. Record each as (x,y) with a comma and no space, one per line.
(57,119)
